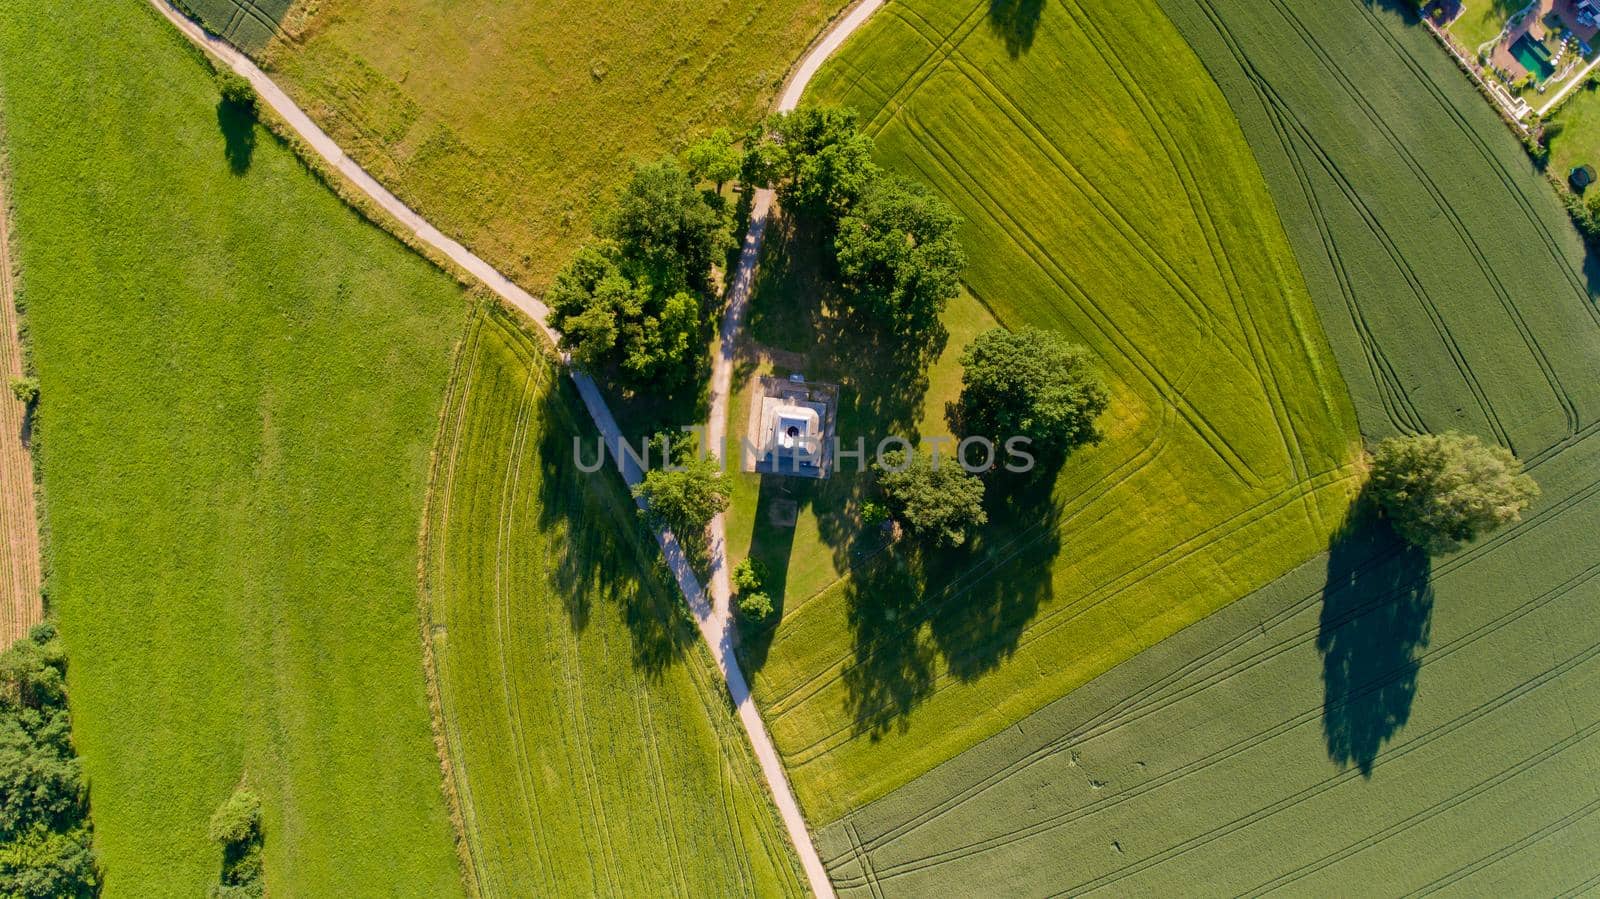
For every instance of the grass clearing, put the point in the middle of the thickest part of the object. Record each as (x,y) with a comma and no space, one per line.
(1481,21)
(1577,142)
(505,124)
(594,747)
(241,384)
(1128,213)
(1373,722)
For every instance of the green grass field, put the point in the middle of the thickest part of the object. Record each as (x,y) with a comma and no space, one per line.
(1127,211)
(1372,723)
(1577,142)
(506,124)
(241,384)
(1481,21)
(594,746)
(247,24)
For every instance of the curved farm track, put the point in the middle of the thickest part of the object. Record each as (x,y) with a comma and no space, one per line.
(21,606)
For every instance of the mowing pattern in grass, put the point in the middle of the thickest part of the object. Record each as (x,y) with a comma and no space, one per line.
(1109,195)
(1373,723)
(243,383)
(593,745)
(247,24)
(506,123)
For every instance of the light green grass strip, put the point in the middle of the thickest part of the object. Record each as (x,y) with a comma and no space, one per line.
(241,382)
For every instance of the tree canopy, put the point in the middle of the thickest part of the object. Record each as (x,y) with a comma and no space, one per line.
(1029,383)
(899,259)
(633,301)
(714,158)
(685,500)
(816,158)
(44,828)
(1442,491)
(938,502)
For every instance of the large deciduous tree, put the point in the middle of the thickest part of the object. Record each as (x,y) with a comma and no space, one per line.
(899,259)
(1442,491)
(939,502)
(685,499)
(1029,383)
(816,158)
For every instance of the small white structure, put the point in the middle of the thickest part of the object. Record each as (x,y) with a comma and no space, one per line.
(791,428)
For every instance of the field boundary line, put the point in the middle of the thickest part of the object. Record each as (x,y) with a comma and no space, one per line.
(711,612)
(22,605)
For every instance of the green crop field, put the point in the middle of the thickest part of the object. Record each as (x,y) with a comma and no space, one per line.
(1374,722)
(1108,194)
(507,123)
(241,384)
(594,747)
(247,24)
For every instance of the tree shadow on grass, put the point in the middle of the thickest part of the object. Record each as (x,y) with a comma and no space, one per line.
(1377,605)
(237,122)
(892,668)
(771,545)
(603,539)
(1016,21)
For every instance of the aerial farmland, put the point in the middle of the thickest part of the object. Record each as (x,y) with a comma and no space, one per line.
(876,448)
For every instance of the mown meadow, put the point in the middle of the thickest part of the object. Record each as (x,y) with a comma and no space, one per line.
(1376,721)
(508,124)
(1128,213)
(593,747)
(241,381)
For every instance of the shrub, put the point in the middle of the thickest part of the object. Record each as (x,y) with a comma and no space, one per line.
(236,820)
(749,575)
(26,390)
(236,827)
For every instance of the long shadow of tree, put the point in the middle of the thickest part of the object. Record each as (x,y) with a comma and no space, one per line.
(237,121)
(1377,604)
(601,537)
(1016,21)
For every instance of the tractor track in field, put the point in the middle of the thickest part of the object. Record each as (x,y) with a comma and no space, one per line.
(710,608)
(1178,685)
(1478,712)
(22,605)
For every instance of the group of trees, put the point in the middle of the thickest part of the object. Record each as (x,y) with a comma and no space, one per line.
(633,303)
(1031,384)
(898,260)
(45,837)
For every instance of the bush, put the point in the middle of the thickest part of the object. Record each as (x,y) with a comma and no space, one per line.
(236,827)
(1442,491)
(749,575)
(236,89)
(755,606)
(26,390)
(45,837)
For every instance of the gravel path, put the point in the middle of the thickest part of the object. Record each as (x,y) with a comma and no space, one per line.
(711,611)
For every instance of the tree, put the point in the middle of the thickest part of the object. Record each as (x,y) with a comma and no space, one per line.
(1442,491)
(1029,383)
(899,259)
(816,158)
(609,320)
(236,90)
(940,502)
(666,233)
(714,158)
(45,840)
(686,499)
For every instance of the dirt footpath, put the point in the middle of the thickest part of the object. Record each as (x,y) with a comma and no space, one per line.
(20,605)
